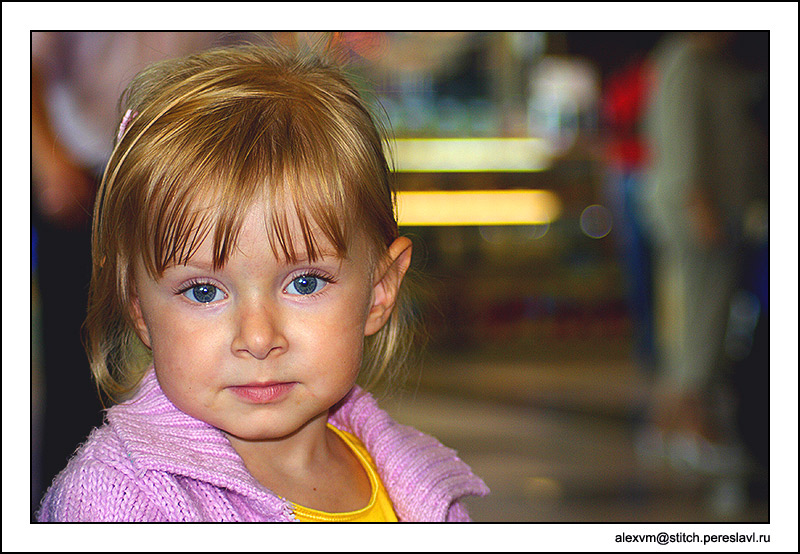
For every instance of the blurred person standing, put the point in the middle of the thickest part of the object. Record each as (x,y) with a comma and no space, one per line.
(76,79)
(706,207)
(624,99)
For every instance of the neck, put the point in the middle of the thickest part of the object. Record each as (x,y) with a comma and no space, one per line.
(311,467)
(297,452)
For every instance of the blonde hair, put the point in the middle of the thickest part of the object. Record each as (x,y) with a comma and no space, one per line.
(212,134)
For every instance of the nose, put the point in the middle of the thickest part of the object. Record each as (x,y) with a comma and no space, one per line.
(258,333)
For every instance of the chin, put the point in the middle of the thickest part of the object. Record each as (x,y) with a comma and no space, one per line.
(259,434)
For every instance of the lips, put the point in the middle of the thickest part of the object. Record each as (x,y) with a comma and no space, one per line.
(263,393)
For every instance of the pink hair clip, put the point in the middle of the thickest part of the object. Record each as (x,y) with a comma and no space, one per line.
(126,120)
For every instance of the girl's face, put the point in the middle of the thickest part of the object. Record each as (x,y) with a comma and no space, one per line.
(260,347)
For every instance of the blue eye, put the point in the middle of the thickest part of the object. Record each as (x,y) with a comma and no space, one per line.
(203,293)
(305,285)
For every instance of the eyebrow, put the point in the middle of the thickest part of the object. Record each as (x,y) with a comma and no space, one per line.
(196,264)
(300,258)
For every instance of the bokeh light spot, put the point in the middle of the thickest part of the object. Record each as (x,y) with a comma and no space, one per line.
(596,221)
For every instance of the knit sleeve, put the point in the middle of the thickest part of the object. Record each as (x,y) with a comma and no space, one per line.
(458,512)
(98,485)
(95,492)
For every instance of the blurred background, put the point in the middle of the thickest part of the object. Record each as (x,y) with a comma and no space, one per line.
(590,218)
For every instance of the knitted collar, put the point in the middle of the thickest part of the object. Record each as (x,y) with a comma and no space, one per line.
(423,477)
(158,436)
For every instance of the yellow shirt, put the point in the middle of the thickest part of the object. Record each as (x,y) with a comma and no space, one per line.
(379,507)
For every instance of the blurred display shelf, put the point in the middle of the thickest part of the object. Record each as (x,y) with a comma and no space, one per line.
(543,284)
(559,309)
(472,154)
(485,207)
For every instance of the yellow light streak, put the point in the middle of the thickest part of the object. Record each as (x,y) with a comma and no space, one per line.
(503,207)
(472,154)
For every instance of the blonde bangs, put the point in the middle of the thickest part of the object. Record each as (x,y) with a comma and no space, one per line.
(202,187)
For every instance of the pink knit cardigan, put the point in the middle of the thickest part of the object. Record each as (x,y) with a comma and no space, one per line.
(152,462)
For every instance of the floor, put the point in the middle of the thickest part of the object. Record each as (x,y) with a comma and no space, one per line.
(556,442)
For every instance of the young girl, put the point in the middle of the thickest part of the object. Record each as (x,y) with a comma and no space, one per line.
(244,233)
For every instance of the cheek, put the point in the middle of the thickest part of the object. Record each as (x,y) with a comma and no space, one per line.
(351,349)
(350,323)
(182,346)
(167,339)
(339,340)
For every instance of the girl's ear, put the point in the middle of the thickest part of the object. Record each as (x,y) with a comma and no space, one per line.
(138,320)
(388,276)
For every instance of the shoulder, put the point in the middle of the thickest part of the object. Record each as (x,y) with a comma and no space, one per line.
(361,415)
(425,479)
(99,484)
